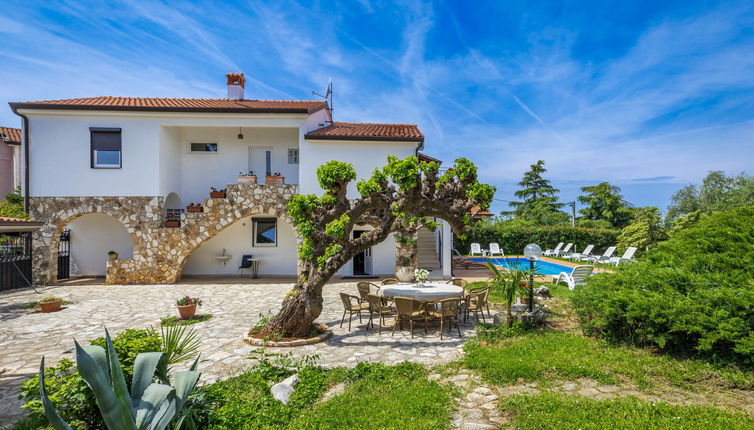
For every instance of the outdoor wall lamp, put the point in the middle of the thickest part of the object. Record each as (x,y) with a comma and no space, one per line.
(240,134)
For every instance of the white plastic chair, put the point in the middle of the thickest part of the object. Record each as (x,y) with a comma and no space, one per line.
(564,250)
(495,250)
(579,255)
(602,258)
(577,276)
(627,257)
(476,249)
(550,252)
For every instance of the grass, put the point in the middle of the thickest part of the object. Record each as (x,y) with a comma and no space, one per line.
(173,320)
(376,397)
(547,356)
(559,411)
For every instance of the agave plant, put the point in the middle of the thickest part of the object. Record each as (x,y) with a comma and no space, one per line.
(149,405)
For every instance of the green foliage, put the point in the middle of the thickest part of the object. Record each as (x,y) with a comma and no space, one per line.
(718,192)
(685,221)
(482,193)
(373,184)
(552,410)
(512,354)
(604,202)
(645,231)
(337,227)
(403,172)
(514,235)
(171,320)
(334,172)
(693,293)
(331,250)
(539,198)
(382,397)
(13,205)
(508,283)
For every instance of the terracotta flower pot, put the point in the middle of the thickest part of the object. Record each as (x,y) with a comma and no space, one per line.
(217,194)
(275,180)
(187,312)
(246,180)
(172,223)
(47,307)
(194,208)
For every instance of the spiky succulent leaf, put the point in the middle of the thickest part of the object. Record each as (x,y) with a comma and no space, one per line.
(144,370)
(153,405)
(184,383)
(117,379)
(52,414)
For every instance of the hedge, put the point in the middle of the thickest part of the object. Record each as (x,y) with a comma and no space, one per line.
(693,293)
(512,240)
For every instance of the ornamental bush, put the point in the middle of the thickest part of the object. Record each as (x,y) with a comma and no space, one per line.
(513,238)
(693,293)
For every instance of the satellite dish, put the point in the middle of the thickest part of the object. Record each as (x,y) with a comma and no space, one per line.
(328,97)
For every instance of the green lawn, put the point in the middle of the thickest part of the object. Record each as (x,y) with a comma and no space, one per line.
(546,356)
(559,411)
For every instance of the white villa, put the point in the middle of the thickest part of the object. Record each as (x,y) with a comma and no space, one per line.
(117,174)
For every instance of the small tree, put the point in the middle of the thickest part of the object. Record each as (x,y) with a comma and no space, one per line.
(604,202)
(509,283)
(399,198)
(539,199)
(645,231)
(13,205)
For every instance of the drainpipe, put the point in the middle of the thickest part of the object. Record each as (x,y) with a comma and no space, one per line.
(26,157)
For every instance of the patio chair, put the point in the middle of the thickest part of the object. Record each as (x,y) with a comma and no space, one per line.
(245,263)
(458,282)
(389,281)
(408,309)
(476,249)
(495,250)
(475,301)
(551,252)
(352,305)
(377,306)
(604,258)
(563,251)
(577,276)
(365,288)
(579,255)
(627,257)
(446,309)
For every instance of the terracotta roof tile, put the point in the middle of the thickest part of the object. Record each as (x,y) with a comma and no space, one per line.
(367,131)
(176,105)
(427,158)
(10,135)
(8,219)
(477,211)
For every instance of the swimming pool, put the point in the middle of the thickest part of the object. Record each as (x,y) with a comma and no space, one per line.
(541,267)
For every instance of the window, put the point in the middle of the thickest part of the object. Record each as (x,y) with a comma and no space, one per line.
(203,147)
(293,156)
(105,148)
(265,231)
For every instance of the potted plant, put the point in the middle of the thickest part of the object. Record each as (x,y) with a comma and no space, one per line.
(421,275)
(216,193)
(172,221)
(247,178)
(112,255)
(187,306)
(276,179)
(404,271)
(195,207)
(508,283)
(50,304)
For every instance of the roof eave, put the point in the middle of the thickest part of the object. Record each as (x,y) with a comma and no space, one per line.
(46,106)
(367,138)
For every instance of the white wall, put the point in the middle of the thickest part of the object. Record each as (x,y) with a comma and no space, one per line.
(364,155)
(92,237)
(200,171)
(237,241)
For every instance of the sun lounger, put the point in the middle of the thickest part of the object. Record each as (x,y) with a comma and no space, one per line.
(577,276)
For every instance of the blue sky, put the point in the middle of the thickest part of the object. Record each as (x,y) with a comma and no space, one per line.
(647,95)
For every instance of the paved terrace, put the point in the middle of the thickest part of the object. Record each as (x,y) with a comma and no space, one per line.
(25,335)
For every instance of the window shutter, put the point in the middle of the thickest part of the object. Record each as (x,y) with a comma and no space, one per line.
(104,139)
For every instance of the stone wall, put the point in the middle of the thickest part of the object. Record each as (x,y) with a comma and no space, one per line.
(159,253)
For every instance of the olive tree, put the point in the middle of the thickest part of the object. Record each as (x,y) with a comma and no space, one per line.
(399,198)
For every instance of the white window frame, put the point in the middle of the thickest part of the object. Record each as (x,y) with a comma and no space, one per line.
(108,166)
(190,142)
(296,157)
(254,233)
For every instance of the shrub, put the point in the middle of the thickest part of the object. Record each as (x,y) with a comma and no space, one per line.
(692,294)
(513,239)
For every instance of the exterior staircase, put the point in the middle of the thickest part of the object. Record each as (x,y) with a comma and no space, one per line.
(427,255)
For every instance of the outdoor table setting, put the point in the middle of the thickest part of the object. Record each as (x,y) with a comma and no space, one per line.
(423,292)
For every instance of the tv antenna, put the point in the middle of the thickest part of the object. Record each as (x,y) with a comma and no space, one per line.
(328,97)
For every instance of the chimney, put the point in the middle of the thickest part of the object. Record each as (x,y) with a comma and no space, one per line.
(236,83)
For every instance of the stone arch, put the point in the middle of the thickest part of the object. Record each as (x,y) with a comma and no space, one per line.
(172,201)
(93,235)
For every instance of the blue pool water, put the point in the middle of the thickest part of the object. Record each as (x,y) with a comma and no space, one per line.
(541,267)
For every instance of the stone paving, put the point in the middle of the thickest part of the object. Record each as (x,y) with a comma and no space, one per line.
(25,335)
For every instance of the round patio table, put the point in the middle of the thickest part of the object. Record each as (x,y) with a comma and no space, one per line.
(428,292)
